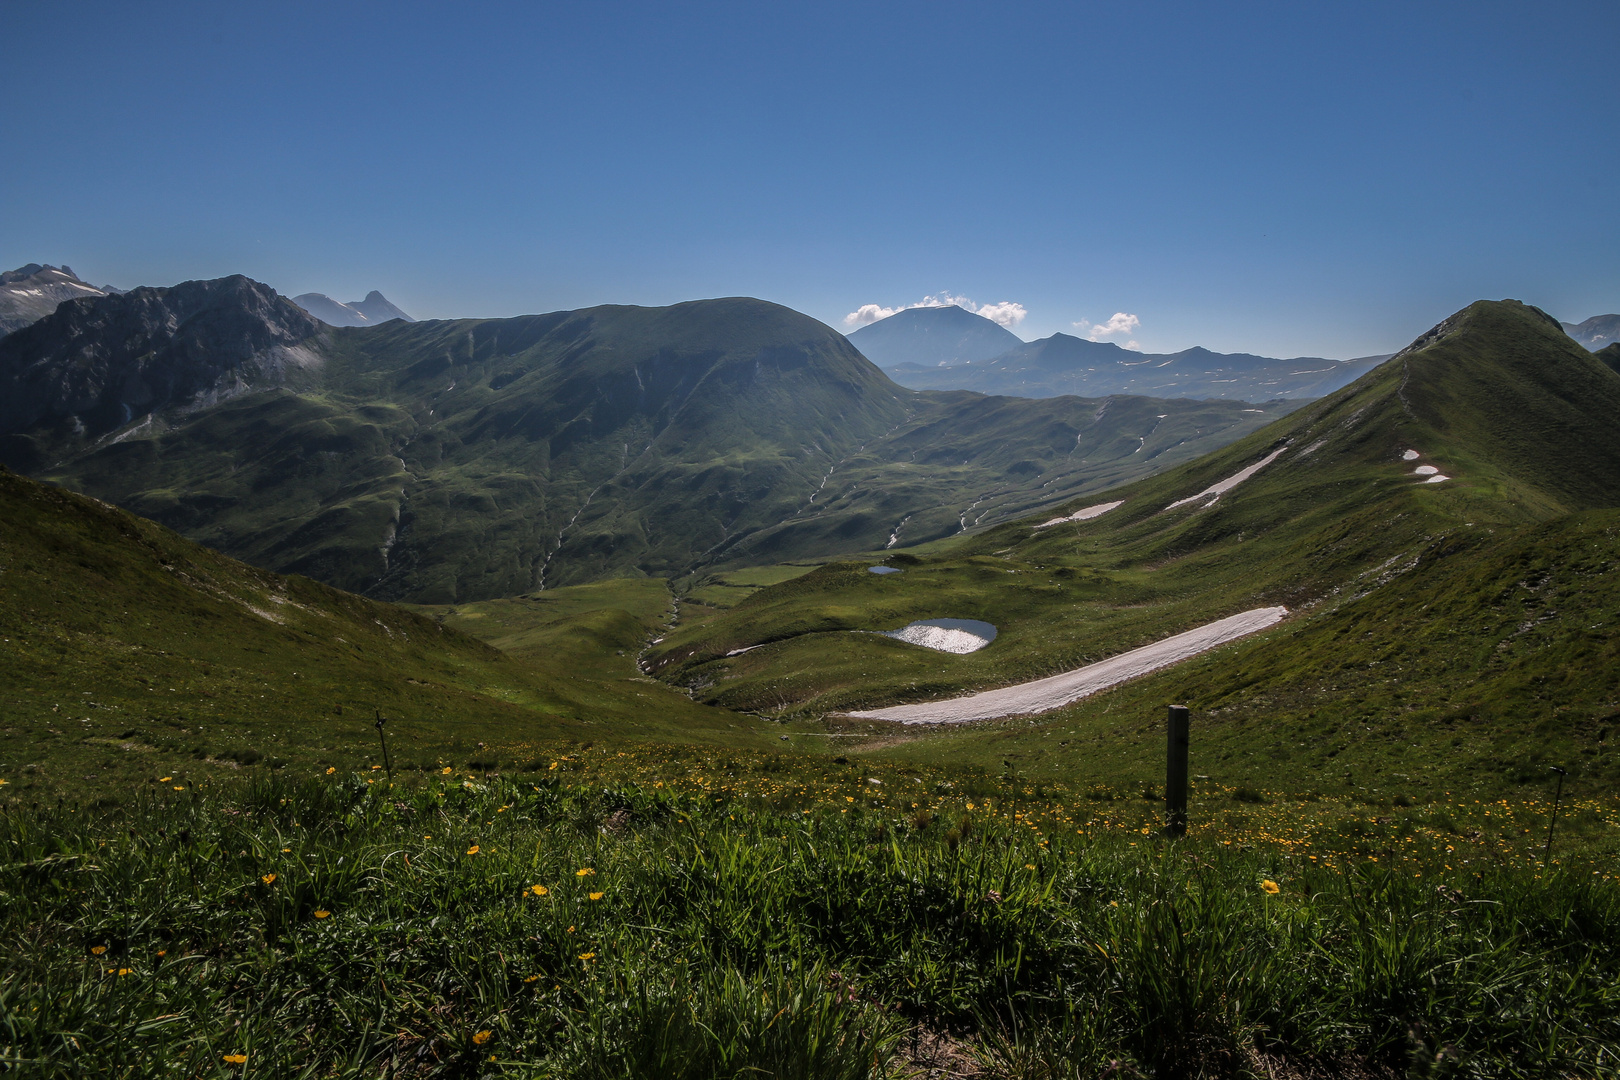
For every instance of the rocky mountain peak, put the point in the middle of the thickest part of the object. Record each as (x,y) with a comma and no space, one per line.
(96,363)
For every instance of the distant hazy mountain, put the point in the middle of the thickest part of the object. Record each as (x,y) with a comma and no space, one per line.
(1596,332)
(32,292)
(454,460)
(371,311)
(932,336)
(1064,364)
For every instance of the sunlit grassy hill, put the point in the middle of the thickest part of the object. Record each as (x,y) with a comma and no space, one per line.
(1463,622)
(127,651)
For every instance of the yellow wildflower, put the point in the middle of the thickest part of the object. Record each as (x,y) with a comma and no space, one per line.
(97,950)
(584,873)
(587,956)
(125,971)
(330,769)
(473,850)
(446,771)
(269,879)
(179,787)
(597,895)
(532,978)
(236,1059)
(482,1037)
(321,913)
(164,779)
(1270,887)
(539,890)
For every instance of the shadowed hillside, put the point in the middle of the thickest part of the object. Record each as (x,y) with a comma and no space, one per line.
(450,461)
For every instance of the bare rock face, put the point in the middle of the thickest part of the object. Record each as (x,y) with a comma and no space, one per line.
(95,364)
(29,293)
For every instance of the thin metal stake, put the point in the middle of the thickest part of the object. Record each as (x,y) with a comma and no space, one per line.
(1556,796)
(387,764)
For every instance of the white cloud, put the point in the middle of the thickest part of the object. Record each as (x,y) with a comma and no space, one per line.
(1008,313)
(1120,323)
(868,313)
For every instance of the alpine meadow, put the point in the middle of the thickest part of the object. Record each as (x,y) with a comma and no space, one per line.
(893,542)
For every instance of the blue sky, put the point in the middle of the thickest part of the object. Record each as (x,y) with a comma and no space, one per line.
(1288,178)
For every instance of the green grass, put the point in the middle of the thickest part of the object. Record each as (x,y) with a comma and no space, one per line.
(1452,636)
(127,651)
(721,931)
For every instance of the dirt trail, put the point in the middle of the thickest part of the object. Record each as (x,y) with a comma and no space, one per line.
(1055,691)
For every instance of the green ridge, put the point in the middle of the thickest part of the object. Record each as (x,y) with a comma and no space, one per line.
(1489,592)
(445,462)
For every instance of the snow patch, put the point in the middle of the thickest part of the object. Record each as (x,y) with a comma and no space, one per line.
(1083,515)
(959,636)
(1425,470)
(1411,455)
(1215,491)
(884,570)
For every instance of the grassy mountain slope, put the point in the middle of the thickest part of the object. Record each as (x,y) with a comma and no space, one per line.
(1610,355)
(126,649)
(1338,528)
(443,462)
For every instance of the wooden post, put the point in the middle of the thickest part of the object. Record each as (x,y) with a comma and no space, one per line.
(1175,772)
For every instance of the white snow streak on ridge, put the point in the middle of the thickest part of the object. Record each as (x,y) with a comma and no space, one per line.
(1217,490)
(1083,515)
(1055,691)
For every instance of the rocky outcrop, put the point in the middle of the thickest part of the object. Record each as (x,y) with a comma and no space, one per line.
(29,293)
(95,364)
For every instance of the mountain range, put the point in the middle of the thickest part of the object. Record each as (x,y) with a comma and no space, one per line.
(33,291)
(1064,364)
(445,461)
(1442,533)
(372,311)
